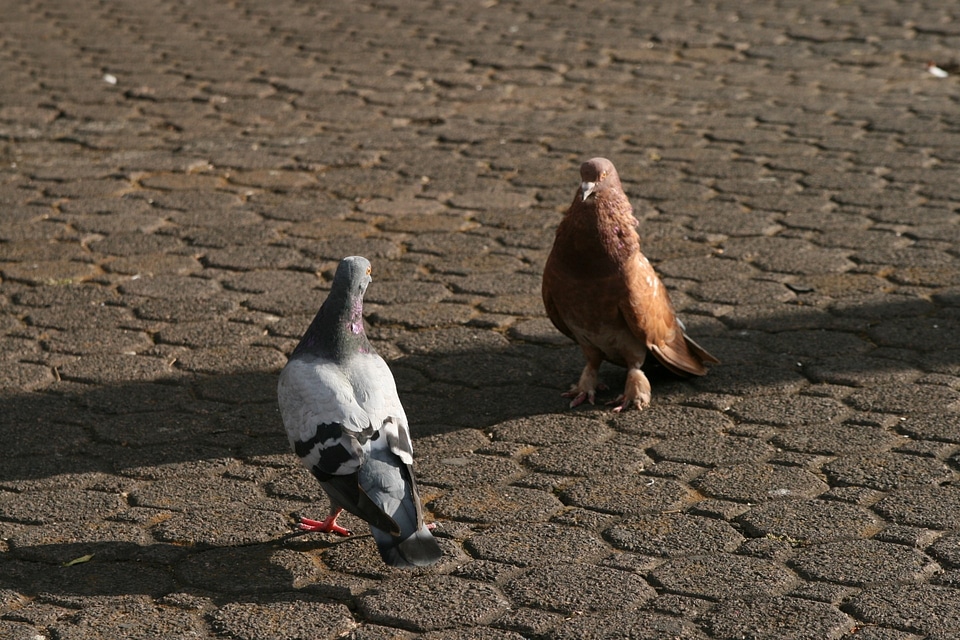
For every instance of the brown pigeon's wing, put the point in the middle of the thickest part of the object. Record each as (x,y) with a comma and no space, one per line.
(650,316)
(552,279)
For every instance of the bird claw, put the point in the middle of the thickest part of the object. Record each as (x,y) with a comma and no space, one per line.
(627,404)
(579,398)
(323,526)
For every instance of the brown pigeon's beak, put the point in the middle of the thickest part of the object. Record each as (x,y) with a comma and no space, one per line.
(586,188)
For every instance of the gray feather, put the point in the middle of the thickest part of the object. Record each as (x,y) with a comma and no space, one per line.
(340,407)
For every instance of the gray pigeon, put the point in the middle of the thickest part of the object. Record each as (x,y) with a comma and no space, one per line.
(344,419)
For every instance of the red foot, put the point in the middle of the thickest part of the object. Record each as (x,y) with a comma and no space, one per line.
(324,526)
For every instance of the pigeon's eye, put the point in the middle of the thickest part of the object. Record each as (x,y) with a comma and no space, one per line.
(369,270)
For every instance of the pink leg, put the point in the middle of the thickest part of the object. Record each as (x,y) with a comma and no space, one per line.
(324,526)
(586,388)
(636,393)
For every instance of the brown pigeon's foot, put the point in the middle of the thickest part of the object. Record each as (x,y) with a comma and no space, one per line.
(586,387)
(579,396)
(324,526)
(636,393)
(624,404)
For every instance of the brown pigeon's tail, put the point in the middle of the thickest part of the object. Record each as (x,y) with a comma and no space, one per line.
(699,352)
(683,358)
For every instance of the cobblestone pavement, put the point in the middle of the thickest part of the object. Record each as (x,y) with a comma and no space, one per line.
(179,179)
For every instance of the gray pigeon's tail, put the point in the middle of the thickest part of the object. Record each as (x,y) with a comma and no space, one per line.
(420,549)
(391,486)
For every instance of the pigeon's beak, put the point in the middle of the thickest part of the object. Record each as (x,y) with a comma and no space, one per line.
(586,188)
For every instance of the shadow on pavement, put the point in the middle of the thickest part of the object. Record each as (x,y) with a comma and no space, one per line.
(118,568)
(126,428)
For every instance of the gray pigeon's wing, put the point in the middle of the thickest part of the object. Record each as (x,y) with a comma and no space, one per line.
(347,492)
(376,392)
(313,391)
(317,403)
(387,472)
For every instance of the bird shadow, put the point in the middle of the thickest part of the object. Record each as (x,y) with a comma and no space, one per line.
(112,568)
(126,427)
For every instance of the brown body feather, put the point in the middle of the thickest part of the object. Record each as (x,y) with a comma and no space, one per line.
(600,290)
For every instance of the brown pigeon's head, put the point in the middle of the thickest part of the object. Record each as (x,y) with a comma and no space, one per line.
(597,175)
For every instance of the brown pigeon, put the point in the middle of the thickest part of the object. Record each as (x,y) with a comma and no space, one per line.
(601,291)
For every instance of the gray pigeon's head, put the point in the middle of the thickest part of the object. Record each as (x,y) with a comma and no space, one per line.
(352,277)
(337,330)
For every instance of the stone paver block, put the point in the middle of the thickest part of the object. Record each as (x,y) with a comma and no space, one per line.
(467,471)
(249,569)
(787,255)
(810,521)
(937,426)
(835,439)
(423,316)
(107,541)
(439,603)
(758,482)
(220,525)
(930,507)
(920,398)
(862,563)
(667,420)
(109,368)
(622,494)
(780,617)
(673,535)
(231,359)
(450,340)
(947,550)
(714,576)
(919,608)
(598,459)
(292,619)
(711,450)
(526,545)
(51,507)
(494,504)
(18,630)
(552,429)
(888,470)
(129,617)
(789,410)
(86,579)
(736,292)
(572,587)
